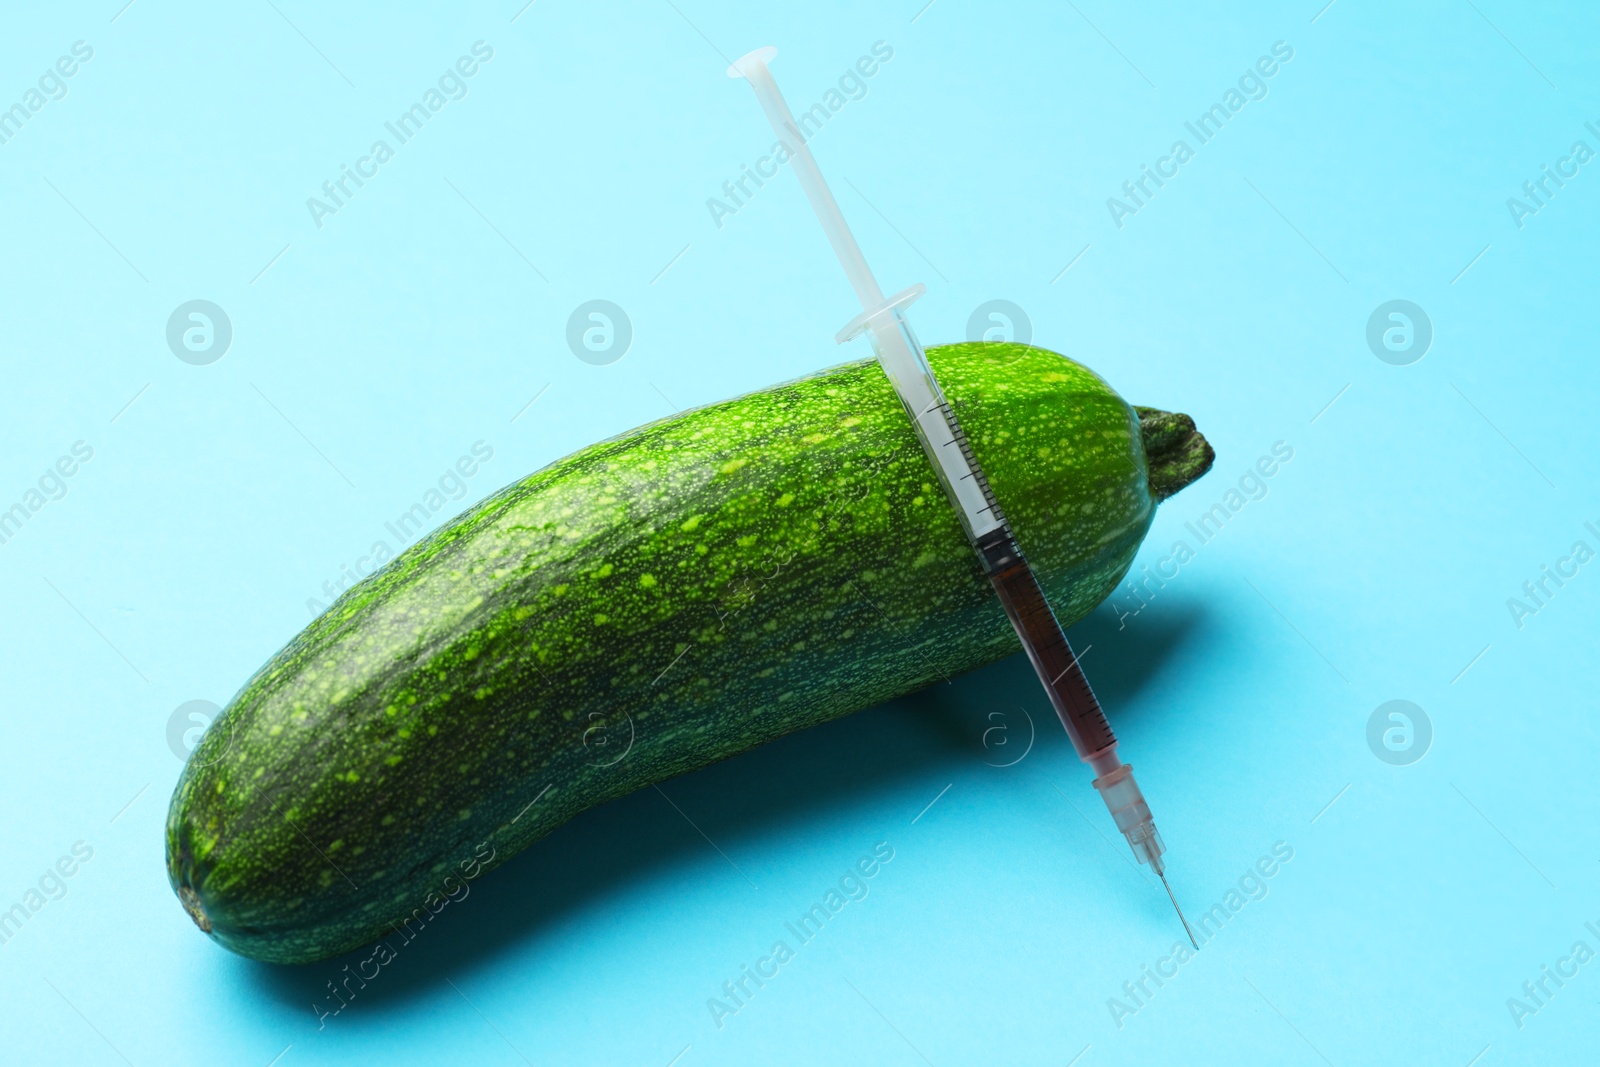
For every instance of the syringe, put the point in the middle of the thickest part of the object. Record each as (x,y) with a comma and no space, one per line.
(902,359)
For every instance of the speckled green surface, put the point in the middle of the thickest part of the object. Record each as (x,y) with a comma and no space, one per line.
(641,608)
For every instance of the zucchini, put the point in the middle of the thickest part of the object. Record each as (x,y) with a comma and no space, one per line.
(684,592)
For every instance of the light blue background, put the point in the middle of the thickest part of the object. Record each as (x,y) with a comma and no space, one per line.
(416,322)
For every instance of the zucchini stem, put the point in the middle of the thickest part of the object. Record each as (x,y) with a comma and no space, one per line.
(1176,452)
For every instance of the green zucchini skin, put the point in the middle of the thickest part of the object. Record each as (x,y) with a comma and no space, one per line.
(681,593)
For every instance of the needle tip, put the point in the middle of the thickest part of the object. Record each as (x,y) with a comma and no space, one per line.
(1162,875)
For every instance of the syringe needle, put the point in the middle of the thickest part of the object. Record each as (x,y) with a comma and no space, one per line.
(1162,875)
(905,364)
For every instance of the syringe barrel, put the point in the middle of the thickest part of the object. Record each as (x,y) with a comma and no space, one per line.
(1053,659)
(902,359)
(906,365)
